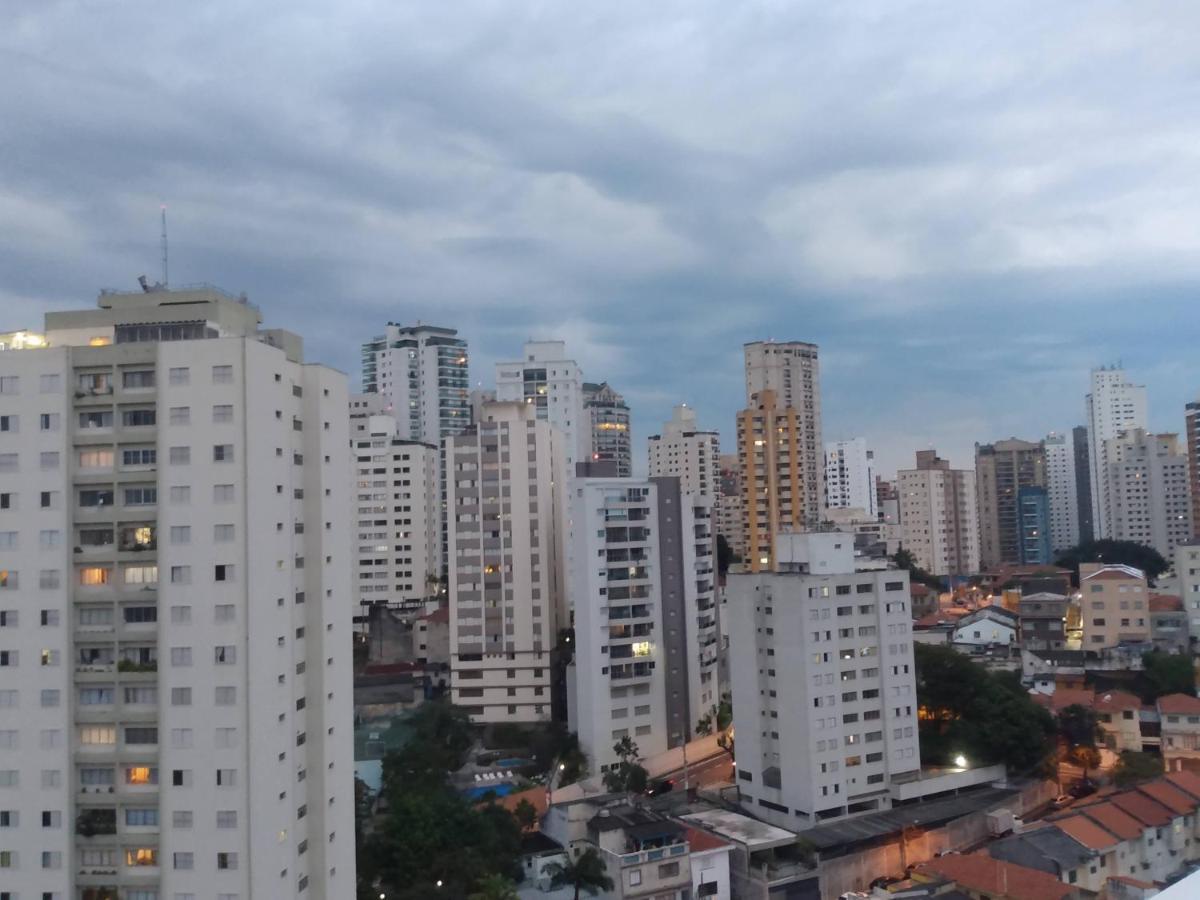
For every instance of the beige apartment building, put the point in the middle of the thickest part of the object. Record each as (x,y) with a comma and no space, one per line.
(939,525)
(1114,604)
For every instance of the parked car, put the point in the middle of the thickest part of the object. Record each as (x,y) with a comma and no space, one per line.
(665,786)
(1082,789)
(1062,800)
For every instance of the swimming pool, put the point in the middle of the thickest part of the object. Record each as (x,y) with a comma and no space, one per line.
(514,763)
(502,789)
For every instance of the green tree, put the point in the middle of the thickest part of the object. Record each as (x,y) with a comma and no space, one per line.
(526,814)
(586,872)
(717,719)
(628,775)
(494,887)
(1134,767)
(988,718)
(1127,553)
(1079,726)
(1167,673)
(905,560)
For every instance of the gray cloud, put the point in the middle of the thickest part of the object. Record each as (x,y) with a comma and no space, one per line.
(965,209)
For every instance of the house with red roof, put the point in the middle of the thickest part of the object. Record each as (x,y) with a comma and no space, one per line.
(978,874)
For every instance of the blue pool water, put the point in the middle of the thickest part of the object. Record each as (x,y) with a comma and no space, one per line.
(478,793)
(512,763)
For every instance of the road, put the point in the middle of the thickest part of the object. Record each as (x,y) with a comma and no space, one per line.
(715,770)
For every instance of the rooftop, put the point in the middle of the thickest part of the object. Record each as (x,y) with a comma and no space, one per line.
(1087,832)
(980,873)
(751,833)
(1179,704)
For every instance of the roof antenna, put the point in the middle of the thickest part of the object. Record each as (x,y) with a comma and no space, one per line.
(164,246)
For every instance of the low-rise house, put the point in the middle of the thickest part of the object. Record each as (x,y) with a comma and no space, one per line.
(1043,621)
(979,875)
(985,627)
(1179,715)
(1168,623)
(710,857)
(766,861)
(1117,712)
(1114,605)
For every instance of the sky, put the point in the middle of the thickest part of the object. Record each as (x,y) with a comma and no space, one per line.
(967,206)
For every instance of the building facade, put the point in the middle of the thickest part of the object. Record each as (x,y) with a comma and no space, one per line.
(174,468)
(791,371)
(1191,431)
(685,451)
(1083,484)
(505,569)
(422,369)
(1149,496)
(731,510)
(552,386)
(1001,470)
(850,477)
(398,531)
(1114,604)
(1187,570)
(608,417)
(642,586)
(1033,522)
(1113,406)
(824,686)
(939,524)
(1062,487)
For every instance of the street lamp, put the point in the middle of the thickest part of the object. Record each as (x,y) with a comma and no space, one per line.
(960,761)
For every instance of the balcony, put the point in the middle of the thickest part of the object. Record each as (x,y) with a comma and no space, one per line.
(96,822)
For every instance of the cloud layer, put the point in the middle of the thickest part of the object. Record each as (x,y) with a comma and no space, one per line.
(966,207)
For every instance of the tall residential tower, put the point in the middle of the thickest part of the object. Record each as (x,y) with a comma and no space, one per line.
(423,369)
(1113,406)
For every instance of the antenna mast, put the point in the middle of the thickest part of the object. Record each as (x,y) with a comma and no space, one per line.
(164,245)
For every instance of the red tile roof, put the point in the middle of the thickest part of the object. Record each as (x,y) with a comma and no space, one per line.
(1064,697)
(1179,704)
(1186,781)
(979,873)
(1170,797)
(1087,832)
(1134,882)
(1116,701)
(1165,603)
(1143,809)
(1115,820)
(699,841)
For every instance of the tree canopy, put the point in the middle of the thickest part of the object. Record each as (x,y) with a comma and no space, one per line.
(1128,553)
(916,575)
(986,717)
(1167,673)
(1134,767)
(586,872)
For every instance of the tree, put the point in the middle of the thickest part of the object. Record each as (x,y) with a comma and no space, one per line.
(1134,767)
(586,872)
(494,887)
(526,814)
(988,718)
(1087,757)
(717,719)
(1167,673)
(916,575)
(628,775)
(1127,553)
(1079,726)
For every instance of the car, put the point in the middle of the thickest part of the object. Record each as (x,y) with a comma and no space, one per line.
(1062,800)
(1082,789)
(665,786)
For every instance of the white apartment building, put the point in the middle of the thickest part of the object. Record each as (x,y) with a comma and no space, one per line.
(1187,570)
(824,685)
(642,583)
(850,477)
(503,478)
(1113,405)
(397,508)
(1061,490)
(175,646)
(686,452)
(1149,490)
(792,371)
(552,386)
(423,370)
(939,523)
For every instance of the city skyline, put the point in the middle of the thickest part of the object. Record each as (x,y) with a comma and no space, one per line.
(951,238)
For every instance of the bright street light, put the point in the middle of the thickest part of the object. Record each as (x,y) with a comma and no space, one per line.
(960,761)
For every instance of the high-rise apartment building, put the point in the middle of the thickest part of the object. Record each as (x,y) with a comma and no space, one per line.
(1083,484)
(397,508)
(1192,435)
(850,477)
(939,523)
(1001,470)
(1061,490)
(824,685)
(423,369)
(731,508)
(503,478)
(775,489)
(1033,518)
(1150,501)
(1114,604)
(792,371)
(608,417)
(1113,406)
(642,587)
(552,386)
(1187,570)
(175,644)
(888,502)
(687,452)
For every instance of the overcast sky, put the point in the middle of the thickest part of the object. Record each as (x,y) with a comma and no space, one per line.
(966,205)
